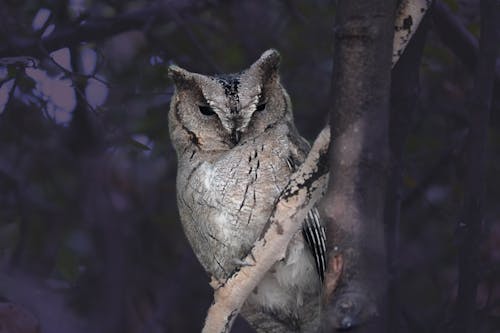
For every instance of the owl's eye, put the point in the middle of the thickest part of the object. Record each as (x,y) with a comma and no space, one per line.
(260,107)
(206,110)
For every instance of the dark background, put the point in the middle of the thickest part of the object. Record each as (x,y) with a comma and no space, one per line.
(90,239)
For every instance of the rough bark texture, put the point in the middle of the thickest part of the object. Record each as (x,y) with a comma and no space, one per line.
(359,160)
(470,227)
(405,89)
(306,187)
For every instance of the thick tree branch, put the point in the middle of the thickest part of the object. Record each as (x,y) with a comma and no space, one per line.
(98,29)
(305,188)
(470,227)
(408,17)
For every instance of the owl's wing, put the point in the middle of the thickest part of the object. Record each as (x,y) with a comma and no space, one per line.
(314,234)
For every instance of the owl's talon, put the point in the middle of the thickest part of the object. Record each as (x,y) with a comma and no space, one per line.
(216,284)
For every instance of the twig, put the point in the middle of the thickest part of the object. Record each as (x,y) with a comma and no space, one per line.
(12,91)
(455,35)
(72,74)
(19,61)
(458,39)
(304,189)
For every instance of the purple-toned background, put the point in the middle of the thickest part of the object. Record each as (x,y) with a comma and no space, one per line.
(90,239)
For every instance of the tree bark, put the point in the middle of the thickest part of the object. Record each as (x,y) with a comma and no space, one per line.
(470,226)
(359,156)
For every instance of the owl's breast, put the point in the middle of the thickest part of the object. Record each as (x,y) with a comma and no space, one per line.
(225,203)
(245,186)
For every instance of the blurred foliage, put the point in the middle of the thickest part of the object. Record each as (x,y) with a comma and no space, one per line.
(87,172)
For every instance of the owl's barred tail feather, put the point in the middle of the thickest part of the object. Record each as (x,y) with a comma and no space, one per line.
(315,236)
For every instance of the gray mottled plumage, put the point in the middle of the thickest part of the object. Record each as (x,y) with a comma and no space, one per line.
(237,146)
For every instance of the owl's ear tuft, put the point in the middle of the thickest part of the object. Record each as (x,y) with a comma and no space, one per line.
(181,77)
(268,64)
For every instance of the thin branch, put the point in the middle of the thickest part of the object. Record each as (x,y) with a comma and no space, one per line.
(12,90)
(305,188)
(455,35)
(72,74)
(458,39)
(19,61)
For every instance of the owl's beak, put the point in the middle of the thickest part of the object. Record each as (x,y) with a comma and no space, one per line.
(235,136)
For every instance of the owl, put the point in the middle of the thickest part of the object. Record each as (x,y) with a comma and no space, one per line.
(237,146)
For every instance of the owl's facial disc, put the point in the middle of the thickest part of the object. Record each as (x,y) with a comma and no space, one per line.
(246,95)
(224,110)
(229,109)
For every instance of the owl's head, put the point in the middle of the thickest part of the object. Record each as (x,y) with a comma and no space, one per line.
(219,112)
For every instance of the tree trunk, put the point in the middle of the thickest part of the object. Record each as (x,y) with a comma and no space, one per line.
(359,156)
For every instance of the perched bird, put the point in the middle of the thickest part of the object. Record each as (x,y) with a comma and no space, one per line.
(237,146)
